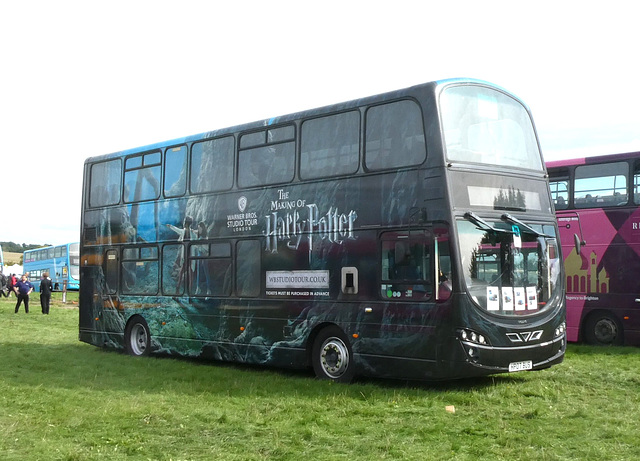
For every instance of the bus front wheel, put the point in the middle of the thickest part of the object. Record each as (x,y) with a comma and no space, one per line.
(603,329)
(137,339)
(332,356)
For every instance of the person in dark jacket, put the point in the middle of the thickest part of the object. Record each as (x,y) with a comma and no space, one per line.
(23,289)
(4,285)
(46,287)
(11,282)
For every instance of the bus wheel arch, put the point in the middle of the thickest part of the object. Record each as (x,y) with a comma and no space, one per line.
(137,337)
(332,355)
(602,328)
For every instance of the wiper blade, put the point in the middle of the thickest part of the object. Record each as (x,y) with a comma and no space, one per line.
(478,221)
(507,217)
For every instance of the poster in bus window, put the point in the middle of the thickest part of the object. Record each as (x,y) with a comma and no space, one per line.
(532,298)
(493,300)
(519,298)
(507,298)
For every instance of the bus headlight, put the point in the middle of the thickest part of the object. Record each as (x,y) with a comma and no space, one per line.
(472,336)
(560,330)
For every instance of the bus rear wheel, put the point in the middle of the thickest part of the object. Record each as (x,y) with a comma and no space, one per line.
(331,356)
(602,329)
(137,339)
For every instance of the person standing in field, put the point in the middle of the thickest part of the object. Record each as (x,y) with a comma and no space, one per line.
(4,285)
(23,289)
(46,287)
(11,282)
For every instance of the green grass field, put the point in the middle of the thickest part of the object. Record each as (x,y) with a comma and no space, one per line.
(65,400)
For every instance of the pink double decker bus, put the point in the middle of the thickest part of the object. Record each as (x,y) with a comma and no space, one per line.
(597,201)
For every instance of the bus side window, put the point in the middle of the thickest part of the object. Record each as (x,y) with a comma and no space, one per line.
(267,157)
(172,262)
(559,193)
(330,145)
(140,270)
(394,136)
(142,177)
(212,165)
(636,184)
(175,171)
(105,183)
(210,269)
(406,266)
(601,185)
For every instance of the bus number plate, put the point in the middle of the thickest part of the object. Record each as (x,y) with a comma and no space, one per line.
(520,366)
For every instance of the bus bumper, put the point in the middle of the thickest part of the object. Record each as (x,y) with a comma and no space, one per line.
(496,359)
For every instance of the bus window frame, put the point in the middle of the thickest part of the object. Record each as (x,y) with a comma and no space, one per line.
(142,169)
(186,164)
(365,149)
(398,289)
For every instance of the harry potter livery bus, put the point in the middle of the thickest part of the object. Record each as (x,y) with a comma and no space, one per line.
(407,235)
(597,202)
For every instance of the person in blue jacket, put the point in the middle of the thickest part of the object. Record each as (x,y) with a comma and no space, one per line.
(23,289)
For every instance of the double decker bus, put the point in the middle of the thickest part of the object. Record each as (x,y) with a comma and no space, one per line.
(406,235)
(597,201)
(61,262)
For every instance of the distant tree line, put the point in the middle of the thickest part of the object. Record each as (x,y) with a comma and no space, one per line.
(10,247)
(19,248)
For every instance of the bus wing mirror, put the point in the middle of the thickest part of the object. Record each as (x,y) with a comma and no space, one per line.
(577,243)
(444,291)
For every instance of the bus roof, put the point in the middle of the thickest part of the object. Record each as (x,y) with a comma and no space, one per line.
(592,160)
(317,111)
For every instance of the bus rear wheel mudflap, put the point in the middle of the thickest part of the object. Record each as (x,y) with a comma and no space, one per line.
(137,338)
(603,329)
(331,355)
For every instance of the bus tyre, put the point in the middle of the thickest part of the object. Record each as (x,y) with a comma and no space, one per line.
(602,329)
(331,356)
(137,339)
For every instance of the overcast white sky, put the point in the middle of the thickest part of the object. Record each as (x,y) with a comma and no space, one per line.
(81,78)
